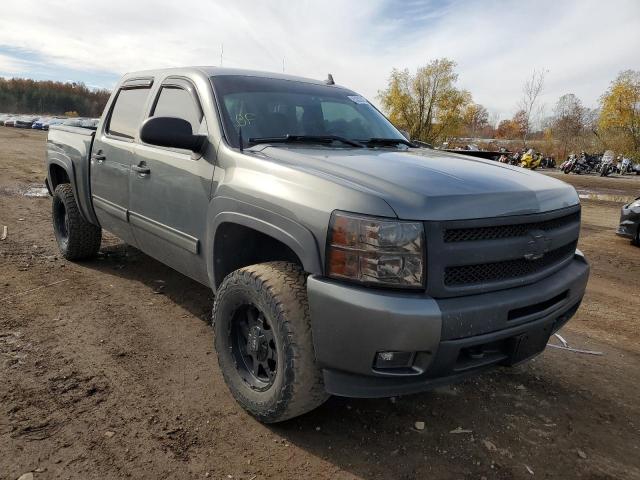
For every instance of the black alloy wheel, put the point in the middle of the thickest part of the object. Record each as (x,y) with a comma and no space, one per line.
(254,348)
(61,223)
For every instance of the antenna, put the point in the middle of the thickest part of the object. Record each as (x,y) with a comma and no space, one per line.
(329,80)
(282,64)
(221,52)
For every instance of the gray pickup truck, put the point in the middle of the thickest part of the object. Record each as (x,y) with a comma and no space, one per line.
(344,259)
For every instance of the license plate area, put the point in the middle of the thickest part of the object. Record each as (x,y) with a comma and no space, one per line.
(526,345)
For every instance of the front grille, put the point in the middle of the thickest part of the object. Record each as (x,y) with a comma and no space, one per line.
(505,270)
(507,231)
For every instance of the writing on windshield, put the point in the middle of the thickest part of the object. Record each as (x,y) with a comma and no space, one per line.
(267,107)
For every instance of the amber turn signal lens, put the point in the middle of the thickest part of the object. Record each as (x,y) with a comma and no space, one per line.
(345,232)
(343,263)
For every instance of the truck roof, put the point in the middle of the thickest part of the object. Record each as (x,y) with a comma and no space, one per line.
(211,71)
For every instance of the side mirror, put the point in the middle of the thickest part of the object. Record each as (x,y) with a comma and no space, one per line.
(171,132)
(405,134)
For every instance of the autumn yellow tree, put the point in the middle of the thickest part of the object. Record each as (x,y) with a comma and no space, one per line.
(522,125)
(507,129)
(514,127)
(475,118)
(619,121)
(427,103)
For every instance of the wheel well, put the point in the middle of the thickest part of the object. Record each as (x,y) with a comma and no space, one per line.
(236,246)
(57,175)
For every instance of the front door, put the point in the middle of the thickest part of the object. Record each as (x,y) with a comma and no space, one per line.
(170,188)
(111,157)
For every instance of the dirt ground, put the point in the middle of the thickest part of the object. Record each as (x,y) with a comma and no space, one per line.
(107,371)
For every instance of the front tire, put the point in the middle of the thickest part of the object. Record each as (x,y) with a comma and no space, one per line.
(263,339)
(77,239)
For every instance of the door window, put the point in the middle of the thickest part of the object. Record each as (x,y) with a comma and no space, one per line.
(127,112)
(177,102)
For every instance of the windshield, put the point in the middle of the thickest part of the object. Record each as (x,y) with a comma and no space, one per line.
(269,107)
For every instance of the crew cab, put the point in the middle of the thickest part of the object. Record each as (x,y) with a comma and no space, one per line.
(345,259)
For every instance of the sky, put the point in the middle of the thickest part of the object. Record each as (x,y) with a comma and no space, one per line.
(580,44)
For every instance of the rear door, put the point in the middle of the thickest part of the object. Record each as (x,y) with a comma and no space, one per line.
(112,155)
(170,188)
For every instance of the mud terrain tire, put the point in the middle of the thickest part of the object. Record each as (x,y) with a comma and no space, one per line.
(290,383)
(77,238)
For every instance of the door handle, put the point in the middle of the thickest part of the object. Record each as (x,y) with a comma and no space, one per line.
(141,169)
(98,157)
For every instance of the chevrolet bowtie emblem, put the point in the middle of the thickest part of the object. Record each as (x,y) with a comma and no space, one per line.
(537,245)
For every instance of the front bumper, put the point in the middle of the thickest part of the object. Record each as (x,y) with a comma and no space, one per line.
(449,338)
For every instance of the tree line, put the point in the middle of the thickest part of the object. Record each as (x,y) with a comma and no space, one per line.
(428,104)
(19,95)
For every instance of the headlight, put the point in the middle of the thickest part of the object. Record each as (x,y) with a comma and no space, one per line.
(376,250)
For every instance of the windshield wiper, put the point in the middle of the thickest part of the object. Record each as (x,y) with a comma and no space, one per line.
(386,142)
(325,139)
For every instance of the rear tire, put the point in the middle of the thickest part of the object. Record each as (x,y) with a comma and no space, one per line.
(77,238)
(636,239)
(263,339)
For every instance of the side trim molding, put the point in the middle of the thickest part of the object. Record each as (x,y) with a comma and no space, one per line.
(109,207)
(176,237)
(171,235)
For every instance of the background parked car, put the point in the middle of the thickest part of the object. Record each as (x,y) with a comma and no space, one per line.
(91,123)
(73,122)
(54,121)
(40,123)
(25,121)
(10,122)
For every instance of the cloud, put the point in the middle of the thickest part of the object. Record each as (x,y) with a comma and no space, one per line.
(582,44)
(12,65)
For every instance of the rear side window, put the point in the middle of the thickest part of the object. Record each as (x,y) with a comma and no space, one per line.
(177,102)
(127,112)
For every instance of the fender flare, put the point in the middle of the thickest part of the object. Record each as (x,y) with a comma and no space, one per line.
(67,165)
(291,233)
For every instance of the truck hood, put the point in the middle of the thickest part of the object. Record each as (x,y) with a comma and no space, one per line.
(423,184)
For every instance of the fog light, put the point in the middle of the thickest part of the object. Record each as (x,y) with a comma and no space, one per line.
(393,359)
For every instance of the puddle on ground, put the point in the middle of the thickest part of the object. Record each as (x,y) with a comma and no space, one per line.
(32,190)
(36,190)
(604,197)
